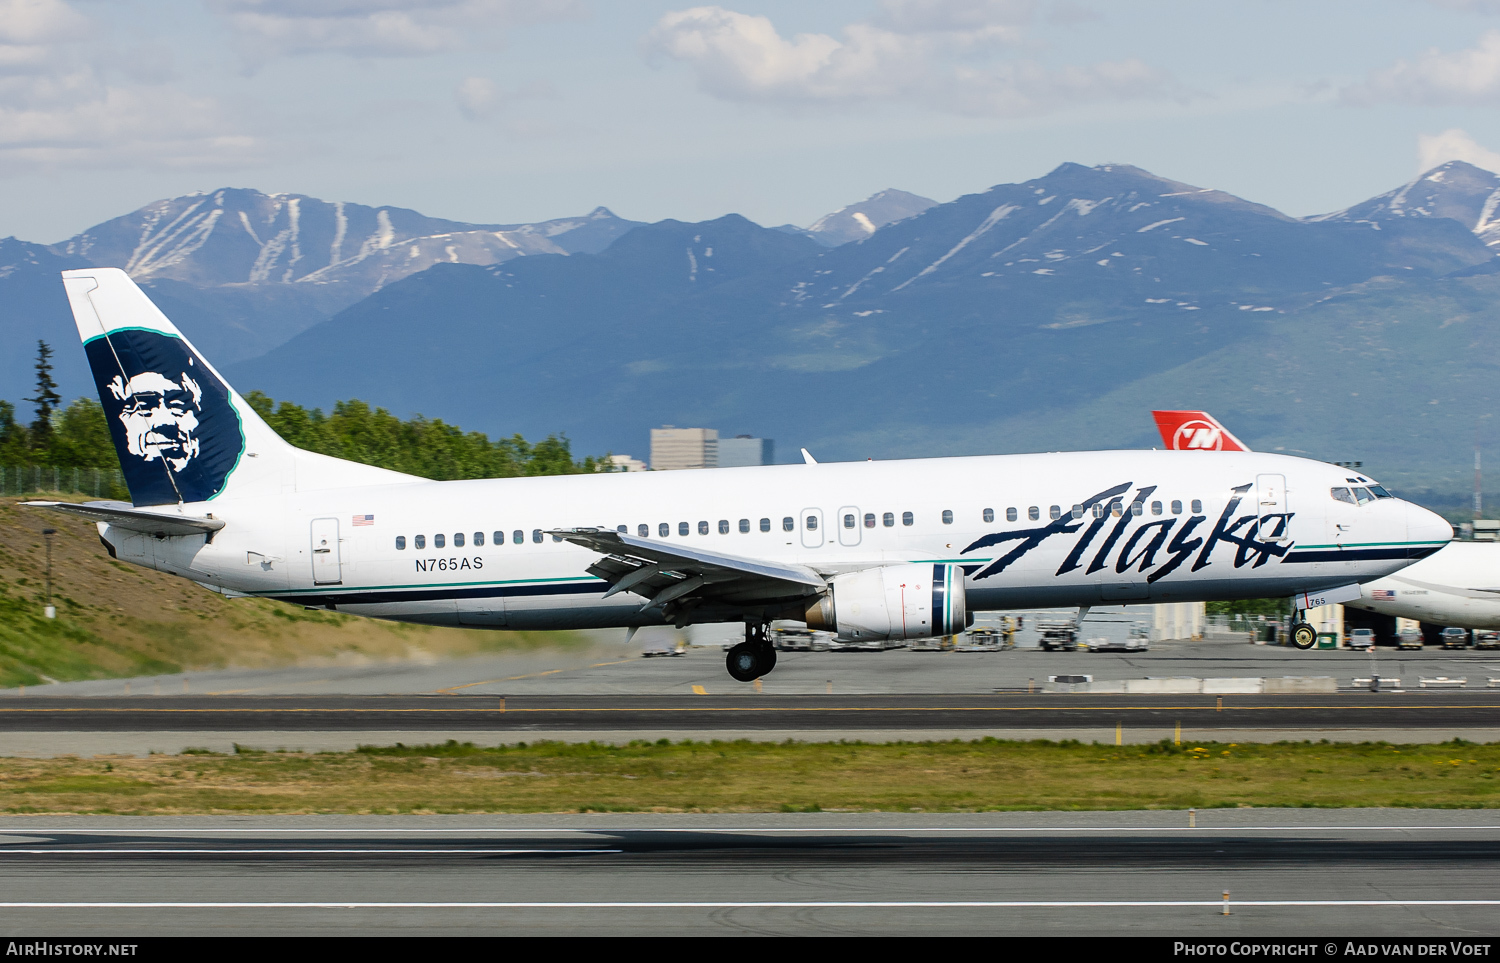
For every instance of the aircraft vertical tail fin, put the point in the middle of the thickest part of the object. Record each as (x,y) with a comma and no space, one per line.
(181,432)
(1195,431)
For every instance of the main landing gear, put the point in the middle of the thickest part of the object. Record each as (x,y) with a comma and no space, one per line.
(1304,636)
(753,657)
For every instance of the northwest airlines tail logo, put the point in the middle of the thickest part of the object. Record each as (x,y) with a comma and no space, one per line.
(1194,431)
(1197,435)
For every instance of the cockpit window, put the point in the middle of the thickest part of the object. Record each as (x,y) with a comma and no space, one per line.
(1363,494)
(1380,492)
(1342,495)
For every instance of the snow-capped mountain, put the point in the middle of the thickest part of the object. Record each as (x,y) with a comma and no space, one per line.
(858,221)
(237,236)
(1455,190)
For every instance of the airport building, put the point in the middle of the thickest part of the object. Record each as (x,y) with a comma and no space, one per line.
(674,448)
(625,463)
(742,451)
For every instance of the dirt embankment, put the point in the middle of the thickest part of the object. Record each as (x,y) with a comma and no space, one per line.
(115,619)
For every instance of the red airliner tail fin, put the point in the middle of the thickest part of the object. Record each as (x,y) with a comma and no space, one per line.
(1195,431)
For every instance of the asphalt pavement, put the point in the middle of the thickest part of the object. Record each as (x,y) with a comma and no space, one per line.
(1346,873)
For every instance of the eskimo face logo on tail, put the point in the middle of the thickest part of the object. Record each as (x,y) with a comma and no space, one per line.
(160,416)
(1197,435)
(176,432)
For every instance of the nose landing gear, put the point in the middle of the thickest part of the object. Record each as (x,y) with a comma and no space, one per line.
(753,657)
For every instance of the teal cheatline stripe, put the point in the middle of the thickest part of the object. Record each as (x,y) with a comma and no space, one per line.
(164,334)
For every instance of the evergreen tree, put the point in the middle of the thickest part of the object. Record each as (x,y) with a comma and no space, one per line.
(47,399)
(15,447)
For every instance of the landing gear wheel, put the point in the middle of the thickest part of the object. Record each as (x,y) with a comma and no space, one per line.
(747,661)
(1304,636)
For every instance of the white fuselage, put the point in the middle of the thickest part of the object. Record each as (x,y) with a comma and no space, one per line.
(1238,525)
(1457,586)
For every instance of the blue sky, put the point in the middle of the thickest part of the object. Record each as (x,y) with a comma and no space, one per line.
(508,111)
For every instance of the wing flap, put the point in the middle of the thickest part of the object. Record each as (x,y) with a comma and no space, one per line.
(664,574)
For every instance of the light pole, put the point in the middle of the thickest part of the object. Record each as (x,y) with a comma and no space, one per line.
(50,610)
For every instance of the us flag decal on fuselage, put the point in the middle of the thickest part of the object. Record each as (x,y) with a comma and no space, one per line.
(363,520)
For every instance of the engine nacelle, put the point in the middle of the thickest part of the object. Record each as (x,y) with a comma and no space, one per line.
(893,602)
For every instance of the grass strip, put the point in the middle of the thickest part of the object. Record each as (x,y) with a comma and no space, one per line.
(742,776)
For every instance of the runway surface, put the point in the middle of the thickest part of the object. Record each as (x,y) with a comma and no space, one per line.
(1359,873)
(611,694)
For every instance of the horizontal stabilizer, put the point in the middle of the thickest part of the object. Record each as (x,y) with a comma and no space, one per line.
(122,515)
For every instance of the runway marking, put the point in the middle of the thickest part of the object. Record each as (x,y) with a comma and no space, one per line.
(323,851)
(738,830)
(663,709)
(740,904)
(262,688)
(529,675)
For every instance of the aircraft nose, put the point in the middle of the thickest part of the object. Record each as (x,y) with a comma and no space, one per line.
(1425,528)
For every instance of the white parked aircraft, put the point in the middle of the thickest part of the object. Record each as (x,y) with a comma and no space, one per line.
(869,550)
(1458,586)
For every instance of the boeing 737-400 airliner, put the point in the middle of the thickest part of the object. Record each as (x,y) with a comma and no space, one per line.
(868,550)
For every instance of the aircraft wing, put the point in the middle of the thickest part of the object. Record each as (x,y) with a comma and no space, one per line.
(663,573)
(123,515)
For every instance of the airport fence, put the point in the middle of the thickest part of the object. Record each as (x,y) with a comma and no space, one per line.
(54,479)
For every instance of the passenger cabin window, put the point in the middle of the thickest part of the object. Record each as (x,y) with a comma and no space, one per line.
(745,525)
(1077,511)
(682,528)
(812,523)
(989,514)
(458,539)
(870,520)
(849,521)
(1136,508)
(723,526)
(1197,507)
(517,537)
(1098,510)
(1033,513)
(479,539)
(1010,515)
(499,538)
(906,518)
(400,543)
(888,519)
(788,524)
(437,541)
(644,531)
(664,529)
(702,528)
(948,516)
(536,535)
(622,529)
(1156,508)
(765,524)
(1055,512)
(1176,507)
(1115,509)
(420,541)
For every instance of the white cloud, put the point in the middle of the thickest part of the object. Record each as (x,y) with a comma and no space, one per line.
(1450,145)
(931,51)
(1465,77)
(378,28)
(480,98)
(64,103)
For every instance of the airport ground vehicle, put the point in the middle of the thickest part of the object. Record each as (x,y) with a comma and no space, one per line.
(1361,639)
(1486,639)
(1058,634)
(1455,638)
(983,640)
(1410,639)
(878,553)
